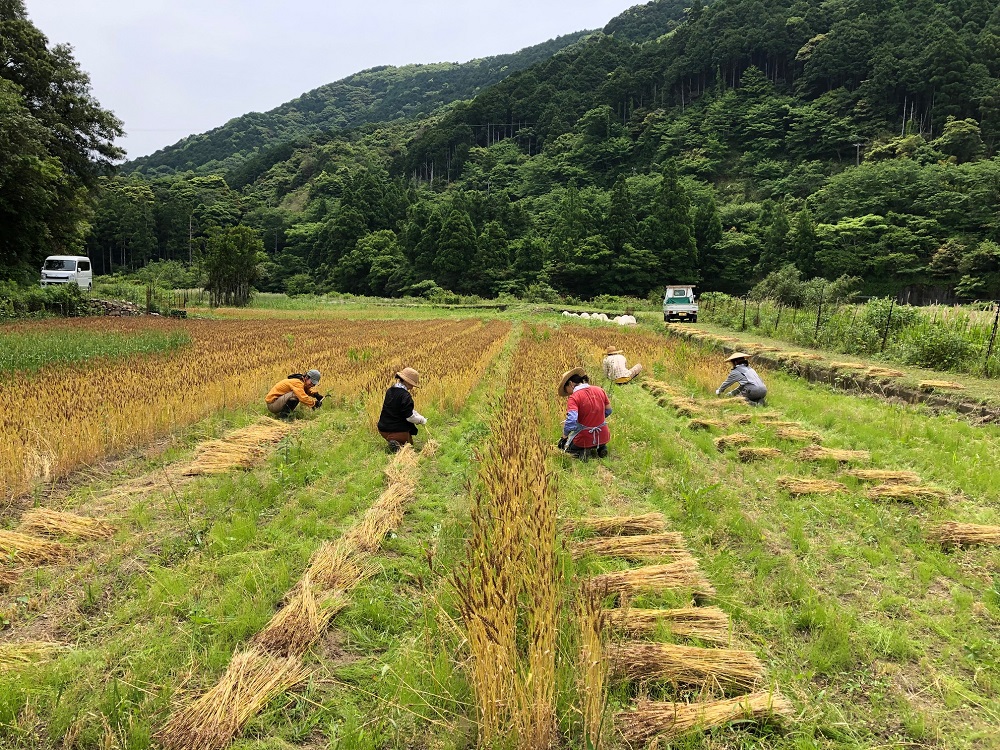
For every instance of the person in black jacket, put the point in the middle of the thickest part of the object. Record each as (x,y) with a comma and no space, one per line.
(398,421)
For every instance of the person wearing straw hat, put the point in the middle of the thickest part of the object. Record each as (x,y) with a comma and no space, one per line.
(617,369)
(398,421)
(585,430)
(286,394)
(750,386)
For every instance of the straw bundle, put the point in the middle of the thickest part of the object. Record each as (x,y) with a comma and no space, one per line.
(706,424)
(593,666)
(8,576)
(952,533)
(684,406)
(31,548)
(758,349)
(639,547)
(708,624)
(241,448)
(381,518)
(819,453)
(884,372)
(906,492)
(683,573)
(944,385)
(803,486)
(252,681)
(748,455)
(885,477)
(670,720)
(780,423)
(794,433)
(300,623)
(732,441)
(740,419)
(20,654)
(804,355)
(336,566)
(650,523)
(685,665)
(846,366)
(56,523)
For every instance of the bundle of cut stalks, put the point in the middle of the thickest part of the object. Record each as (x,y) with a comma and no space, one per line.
(732,441)
(683,573)
(685,665)
(885,477)
(706,424)
(241,448)
(301,622)
(803,486)
(804,355)
(670,720)
(944,385)
(795,433)
(906,492)
(31,548)
(955,534)
(846,366)
(336,566)
(781,424)
(19,654)
(8,577)
(709,624)
(819,453)
(56,523)
(740,419)
(884,372)
(638,547)
(759,349)
(649,523)
(253,680)
(748,455)
(684,406)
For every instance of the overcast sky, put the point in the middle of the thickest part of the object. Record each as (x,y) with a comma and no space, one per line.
(169,68)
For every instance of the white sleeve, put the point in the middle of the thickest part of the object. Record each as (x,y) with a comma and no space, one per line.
(416,418)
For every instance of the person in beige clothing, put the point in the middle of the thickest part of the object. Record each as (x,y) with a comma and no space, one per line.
(617,369)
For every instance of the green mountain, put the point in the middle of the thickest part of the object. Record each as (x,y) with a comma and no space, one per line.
(381,94)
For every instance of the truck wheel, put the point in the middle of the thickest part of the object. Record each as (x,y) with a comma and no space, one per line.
(694,318)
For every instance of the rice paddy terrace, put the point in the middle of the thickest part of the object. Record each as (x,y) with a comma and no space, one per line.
(182,571)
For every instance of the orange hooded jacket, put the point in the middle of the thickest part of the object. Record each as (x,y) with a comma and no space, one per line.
(291,384)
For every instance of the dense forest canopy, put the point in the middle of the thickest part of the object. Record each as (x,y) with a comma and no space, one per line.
(55,142)
(713,143)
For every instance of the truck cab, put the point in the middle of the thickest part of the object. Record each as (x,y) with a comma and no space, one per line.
(679,303)
(68,269)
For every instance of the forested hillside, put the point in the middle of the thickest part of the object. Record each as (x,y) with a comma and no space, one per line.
(715,145)
(381,94)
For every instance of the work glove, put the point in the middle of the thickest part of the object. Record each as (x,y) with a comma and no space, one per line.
(319,402)
(423,420)
(561,444)
(718,392)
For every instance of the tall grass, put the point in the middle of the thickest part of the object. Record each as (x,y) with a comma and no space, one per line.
(941,338)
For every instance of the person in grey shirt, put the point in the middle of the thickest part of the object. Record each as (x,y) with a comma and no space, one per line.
(751,387)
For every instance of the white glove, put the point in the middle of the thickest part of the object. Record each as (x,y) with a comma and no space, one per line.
(718,393)
(423,420)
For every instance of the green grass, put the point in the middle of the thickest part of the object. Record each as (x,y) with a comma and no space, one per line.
(30,350)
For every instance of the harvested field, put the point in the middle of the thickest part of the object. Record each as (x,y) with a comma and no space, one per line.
(668,721)
(709,624)
(685,665)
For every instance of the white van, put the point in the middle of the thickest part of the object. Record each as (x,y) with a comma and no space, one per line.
(68,269)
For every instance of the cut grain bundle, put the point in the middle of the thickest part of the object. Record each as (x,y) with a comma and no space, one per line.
(680,574)
(336,566)
(804,486)
(732,441)
(252,680)
(943,385)
(649,523)
(780,423)
(593,665)
(706,424)
(740,419)
(819,453)
(794,433)
(884,372)
(55,523)
(241,448)
(685,665)
(637,547)
(8,577)
(708,624)
(14,655)
(885,477)
(804,355)
(384,516)
(748,455)
(301,621)
(846,366)
(952,533)
(906,492)
(403,465)
(31,548)
(670,720)
(684,406)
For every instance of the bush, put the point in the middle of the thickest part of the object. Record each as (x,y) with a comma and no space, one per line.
(18,301)
(935,347)
(300,283)
(876,313)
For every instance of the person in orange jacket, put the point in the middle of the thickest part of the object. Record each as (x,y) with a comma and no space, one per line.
(286,394)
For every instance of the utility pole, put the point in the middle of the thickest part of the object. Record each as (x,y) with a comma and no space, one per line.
(857,158)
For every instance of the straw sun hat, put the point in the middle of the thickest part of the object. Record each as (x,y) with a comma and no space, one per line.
(566,376)
(612,350)
(409,376)
(737,355)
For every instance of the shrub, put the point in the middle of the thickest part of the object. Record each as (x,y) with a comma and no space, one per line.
(935,347)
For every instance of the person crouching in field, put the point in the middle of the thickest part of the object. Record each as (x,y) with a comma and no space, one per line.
(616,369)
(286,394)
(751,387)
(398,421)
(586,428)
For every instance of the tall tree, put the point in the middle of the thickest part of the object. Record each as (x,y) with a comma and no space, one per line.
(669,233)
(232,262)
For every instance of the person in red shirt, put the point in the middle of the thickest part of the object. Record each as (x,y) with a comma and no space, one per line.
(585,430)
